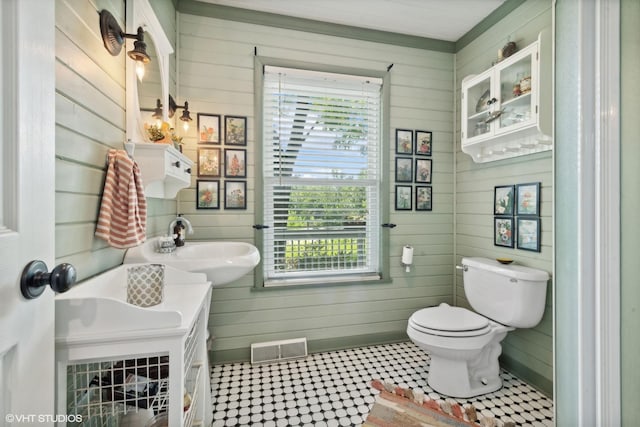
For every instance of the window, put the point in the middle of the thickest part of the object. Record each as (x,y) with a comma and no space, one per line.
(321,170)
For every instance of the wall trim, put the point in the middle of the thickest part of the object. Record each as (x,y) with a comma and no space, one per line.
(485,25)
(229,13)
(315,346)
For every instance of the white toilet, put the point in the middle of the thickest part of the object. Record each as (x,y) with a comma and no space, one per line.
(464,346)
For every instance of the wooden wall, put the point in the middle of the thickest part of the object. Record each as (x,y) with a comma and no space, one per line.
(215,74)
(528,352)
(90,120)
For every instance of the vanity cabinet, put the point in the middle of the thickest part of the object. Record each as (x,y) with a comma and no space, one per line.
(164,169)
(115,359)
(506,110)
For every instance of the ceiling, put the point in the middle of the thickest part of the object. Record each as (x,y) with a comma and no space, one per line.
(437,19)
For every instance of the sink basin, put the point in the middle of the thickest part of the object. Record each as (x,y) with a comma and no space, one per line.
(222,262)
(98,308)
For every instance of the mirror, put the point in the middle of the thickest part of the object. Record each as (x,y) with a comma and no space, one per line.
(150,91)
(154,86)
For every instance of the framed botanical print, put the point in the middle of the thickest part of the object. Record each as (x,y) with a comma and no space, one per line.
(503,200)
(403,197)
(528,234)
(503,231)
(404,169)
(235,163)
(423,171)
(423,142)
(235,130)
(207,194)
(208,128)
(404,141)
(528,199)
(208,162)
(424,198)
(235,195)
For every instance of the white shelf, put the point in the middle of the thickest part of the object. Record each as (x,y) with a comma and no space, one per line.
(164,170)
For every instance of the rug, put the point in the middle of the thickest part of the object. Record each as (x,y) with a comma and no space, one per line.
(396,406)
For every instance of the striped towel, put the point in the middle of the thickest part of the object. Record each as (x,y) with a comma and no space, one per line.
(122,221)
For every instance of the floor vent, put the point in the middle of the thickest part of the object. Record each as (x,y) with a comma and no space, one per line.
(275,351)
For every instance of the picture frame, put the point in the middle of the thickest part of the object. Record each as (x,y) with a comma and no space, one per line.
(503,231)
(403,200)
(528,234)
(424,198)
(423,171)
(503,200)
(528,199)
(235,130)
(404,141)
(235,163)
(235,195)
(424,139)
(207,194)
(404,169)
(208,128)
(208,162)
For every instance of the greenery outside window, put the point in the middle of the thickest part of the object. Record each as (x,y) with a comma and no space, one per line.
(321,176)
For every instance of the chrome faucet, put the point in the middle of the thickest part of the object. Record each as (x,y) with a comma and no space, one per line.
(184,220)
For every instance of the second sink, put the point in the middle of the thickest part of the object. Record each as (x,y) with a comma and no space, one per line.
(222,262)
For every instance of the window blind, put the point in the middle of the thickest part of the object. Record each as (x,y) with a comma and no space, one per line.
(321,167)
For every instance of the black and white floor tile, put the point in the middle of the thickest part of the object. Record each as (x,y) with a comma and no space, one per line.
(333,389)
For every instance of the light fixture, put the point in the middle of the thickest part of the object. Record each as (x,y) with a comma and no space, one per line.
(113,38)
(186,115)
(157,113)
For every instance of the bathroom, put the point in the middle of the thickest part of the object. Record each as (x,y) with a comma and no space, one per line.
(212,69)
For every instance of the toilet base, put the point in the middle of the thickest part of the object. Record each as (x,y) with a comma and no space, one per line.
(454,379)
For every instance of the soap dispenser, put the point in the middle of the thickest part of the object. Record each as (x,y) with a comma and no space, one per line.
(178,232)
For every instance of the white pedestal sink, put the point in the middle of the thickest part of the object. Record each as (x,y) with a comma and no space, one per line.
(222,262)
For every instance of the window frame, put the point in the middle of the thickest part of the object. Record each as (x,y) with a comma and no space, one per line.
(383,253)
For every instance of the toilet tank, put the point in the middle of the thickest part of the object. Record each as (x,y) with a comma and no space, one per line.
(512,295)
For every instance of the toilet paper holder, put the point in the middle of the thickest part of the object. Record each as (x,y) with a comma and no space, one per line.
(407,257)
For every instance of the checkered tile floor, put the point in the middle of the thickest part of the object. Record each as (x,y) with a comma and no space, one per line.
(332,389)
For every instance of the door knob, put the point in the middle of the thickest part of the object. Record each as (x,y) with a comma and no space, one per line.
(35,277)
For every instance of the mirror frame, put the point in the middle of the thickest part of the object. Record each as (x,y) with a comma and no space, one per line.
(142,15)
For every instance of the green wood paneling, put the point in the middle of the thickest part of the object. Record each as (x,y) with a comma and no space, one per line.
(475,188)
(216,75)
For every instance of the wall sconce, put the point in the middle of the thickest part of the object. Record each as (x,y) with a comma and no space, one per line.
(113,38)
(186,115)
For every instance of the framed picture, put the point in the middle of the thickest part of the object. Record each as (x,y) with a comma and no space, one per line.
(503,231)
(235,130)
(529,234)
(208,128)
(235,195)
(423,142)
(404,169)
(404,141)
(235,163)
(207,194)
(403,198)
(528,199)
(423,171)
(503,200)
(423,198)
(208,162)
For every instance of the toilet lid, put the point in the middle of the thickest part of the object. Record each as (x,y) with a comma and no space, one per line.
(450,319)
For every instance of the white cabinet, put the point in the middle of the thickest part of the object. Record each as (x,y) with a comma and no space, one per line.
(506,110)
(164,169)
(114,359)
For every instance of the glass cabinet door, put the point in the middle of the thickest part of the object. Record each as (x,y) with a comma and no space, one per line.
(478,106)
(516,82)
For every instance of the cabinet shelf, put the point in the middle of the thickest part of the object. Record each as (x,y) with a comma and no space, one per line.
(524,124)
(164,170)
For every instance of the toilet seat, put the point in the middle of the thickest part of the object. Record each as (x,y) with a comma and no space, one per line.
(448,321)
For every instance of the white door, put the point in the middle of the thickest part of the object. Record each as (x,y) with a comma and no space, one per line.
(27,202)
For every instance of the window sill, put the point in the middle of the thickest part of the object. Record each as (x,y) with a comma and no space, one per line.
(323,282)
